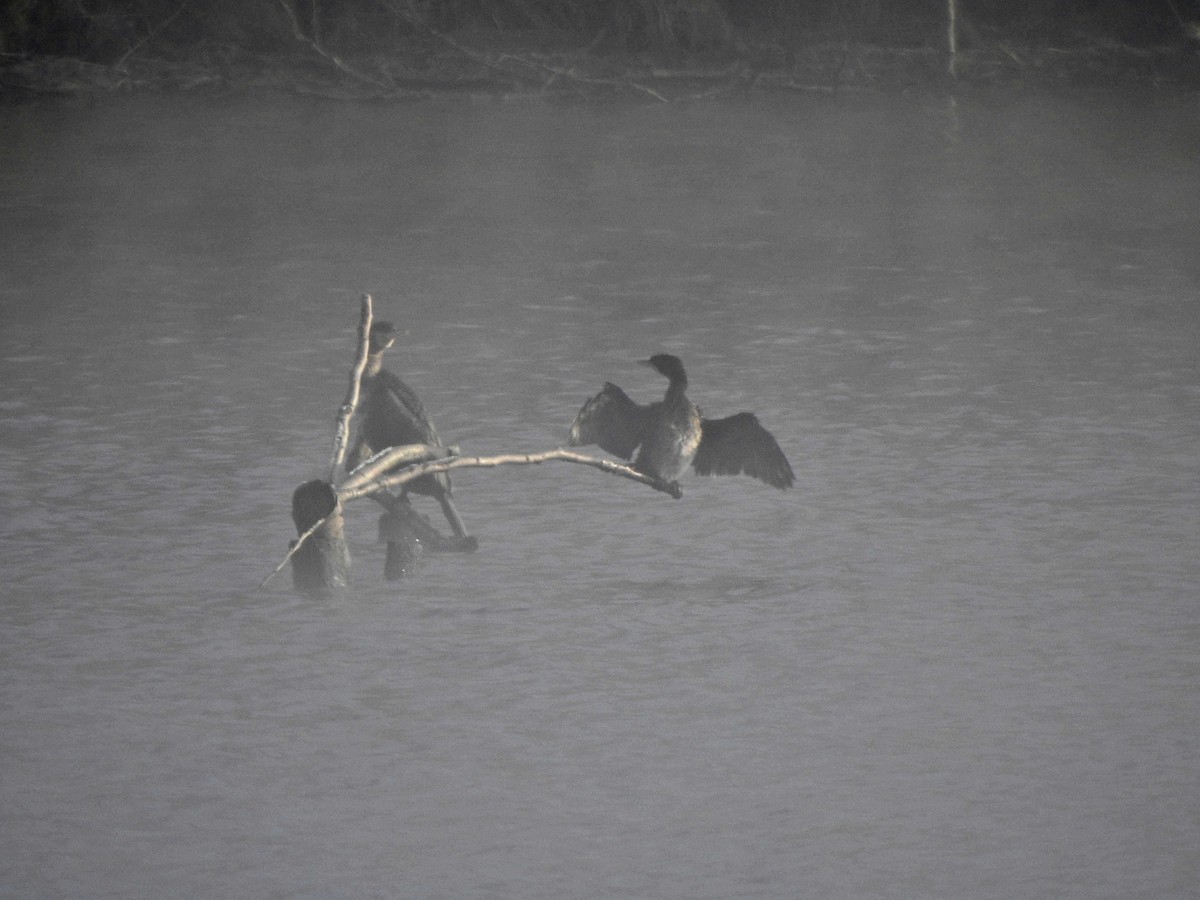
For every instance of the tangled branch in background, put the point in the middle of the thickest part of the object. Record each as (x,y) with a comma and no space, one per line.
(315,44)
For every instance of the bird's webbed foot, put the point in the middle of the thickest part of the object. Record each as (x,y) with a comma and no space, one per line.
(669,487)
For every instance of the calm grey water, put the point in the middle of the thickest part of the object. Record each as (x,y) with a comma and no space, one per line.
(960,659)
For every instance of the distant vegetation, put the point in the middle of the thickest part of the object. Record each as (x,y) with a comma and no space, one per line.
(391,43)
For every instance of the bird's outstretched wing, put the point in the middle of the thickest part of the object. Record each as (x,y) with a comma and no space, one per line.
(611,420)
(739,445)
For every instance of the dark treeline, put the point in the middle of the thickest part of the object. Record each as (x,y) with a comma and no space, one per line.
(106,30)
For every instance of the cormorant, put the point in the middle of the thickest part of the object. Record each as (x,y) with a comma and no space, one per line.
(391,416)
(672,434)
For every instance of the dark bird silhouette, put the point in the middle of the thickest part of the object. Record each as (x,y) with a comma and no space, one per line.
(391,416)
(672,434)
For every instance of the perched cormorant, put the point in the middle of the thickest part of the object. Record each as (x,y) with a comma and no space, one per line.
(391,416)
(672,434)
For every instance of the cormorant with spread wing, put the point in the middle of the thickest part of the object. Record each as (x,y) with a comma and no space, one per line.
(672,434)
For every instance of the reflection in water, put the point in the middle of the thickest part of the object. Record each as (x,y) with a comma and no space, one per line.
(957,660)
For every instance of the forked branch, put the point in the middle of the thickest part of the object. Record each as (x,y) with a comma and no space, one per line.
(347,493)
(363,481)
(374,468)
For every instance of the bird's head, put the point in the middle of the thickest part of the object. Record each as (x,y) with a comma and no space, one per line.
(666,364)
(383,335)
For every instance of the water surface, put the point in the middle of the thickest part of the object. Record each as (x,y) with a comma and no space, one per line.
(957,660)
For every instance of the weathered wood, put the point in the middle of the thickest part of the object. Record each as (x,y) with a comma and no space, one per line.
(406,532)
(559,454)
(341,435)
(390,458)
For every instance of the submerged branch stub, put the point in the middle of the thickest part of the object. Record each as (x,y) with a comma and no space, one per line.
(341,436)
(320,557)
(293,548)
(408,535)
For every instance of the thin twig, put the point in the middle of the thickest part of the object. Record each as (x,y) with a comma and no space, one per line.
(559,72)
(412,16)
(341,436)
(508,459)
(292,550)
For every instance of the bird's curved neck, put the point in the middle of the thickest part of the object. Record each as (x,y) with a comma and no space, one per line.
(677,386)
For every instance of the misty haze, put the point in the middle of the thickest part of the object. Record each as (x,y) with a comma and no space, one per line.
(957,659)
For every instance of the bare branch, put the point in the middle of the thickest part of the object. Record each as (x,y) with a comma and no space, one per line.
(559,72)
(296,545)
(508,459)
(411,15)
(390,458)
(341,436)
(333,58)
